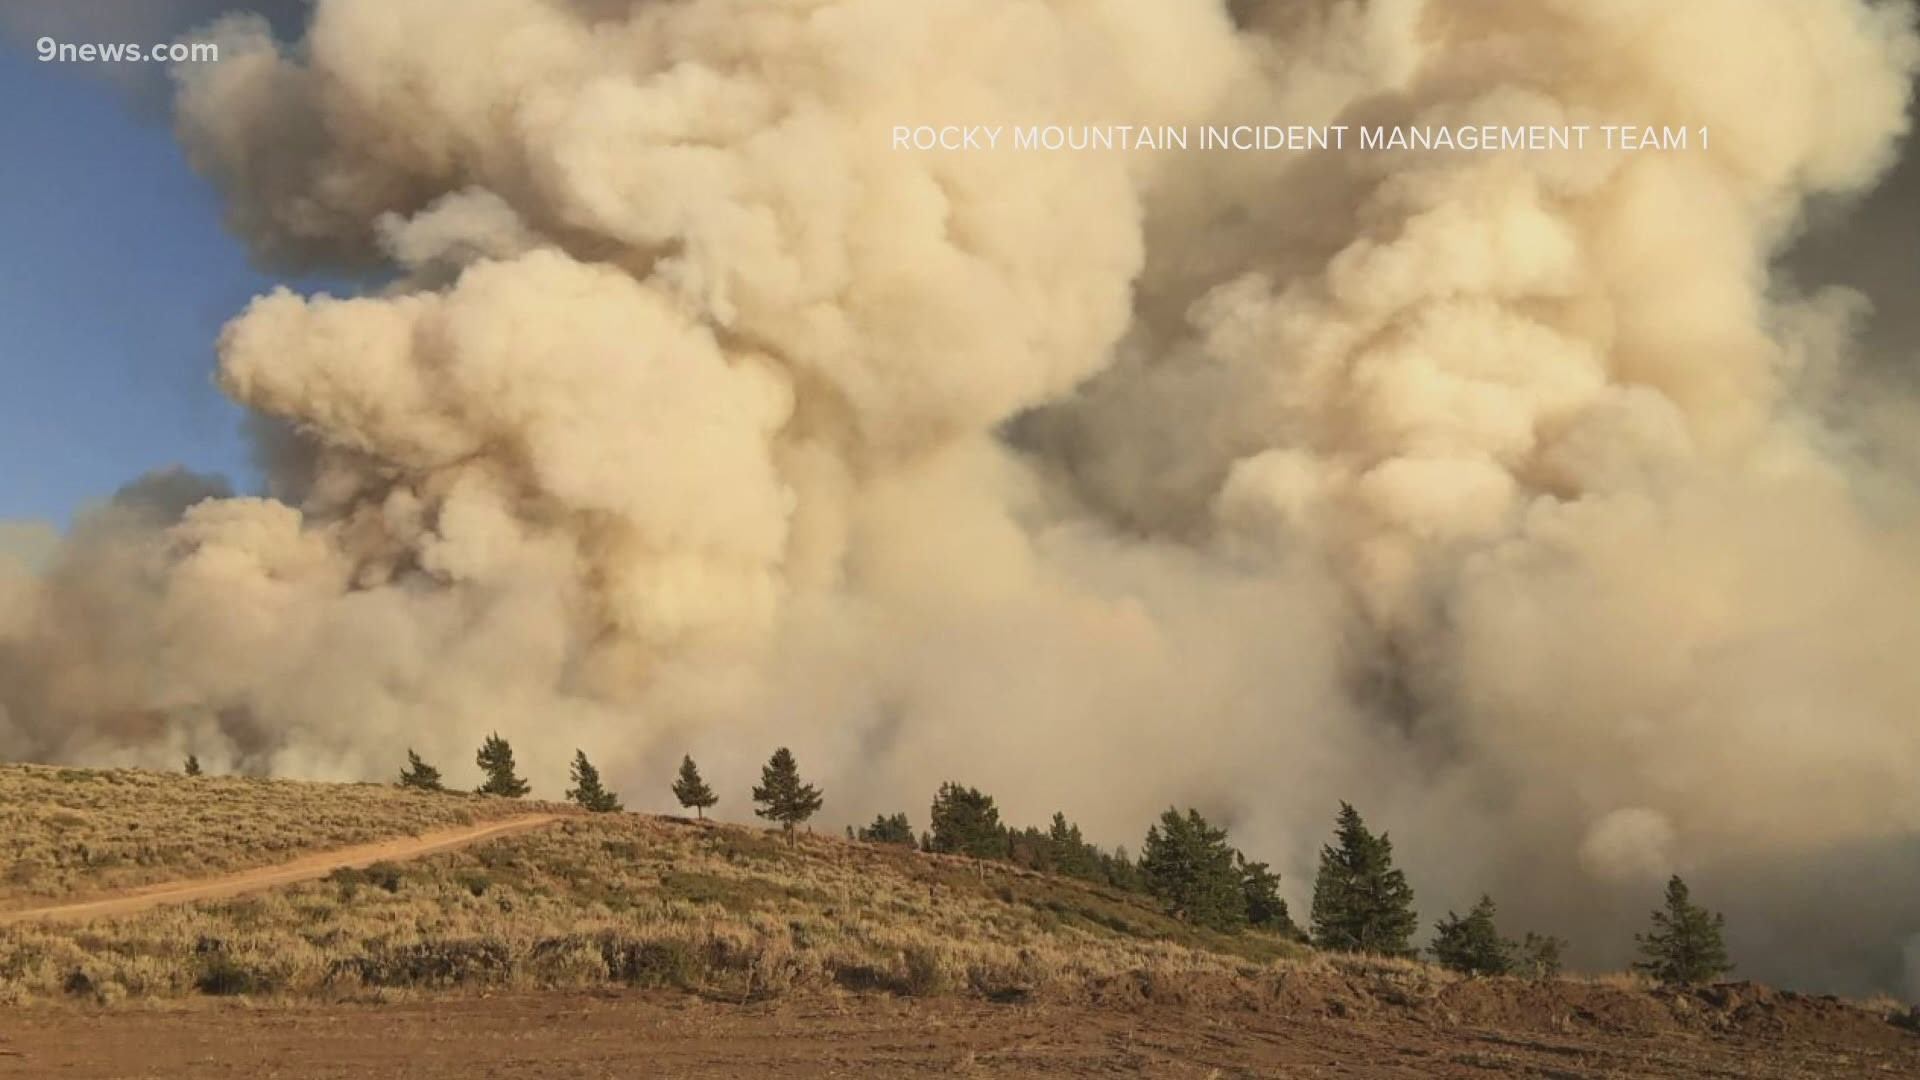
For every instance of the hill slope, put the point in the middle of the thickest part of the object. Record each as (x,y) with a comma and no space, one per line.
(68,834)
(681,913)
(632,900)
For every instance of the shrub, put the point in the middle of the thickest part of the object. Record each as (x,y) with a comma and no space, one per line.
(380,875)
(1472,945)
(1539,956)
(925,977)
(433,964)
(670,962)
(221,974)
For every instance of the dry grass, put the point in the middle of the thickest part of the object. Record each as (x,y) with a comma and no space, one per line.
(723,911)
(70,833)
(627,900)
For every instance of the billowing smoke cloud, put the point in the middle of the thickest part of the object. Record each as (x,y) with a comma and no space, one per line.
(1510,496)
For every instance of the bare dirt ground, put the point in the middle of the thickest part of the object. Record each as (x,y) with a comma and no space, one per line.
(1758,1033)
(305,868)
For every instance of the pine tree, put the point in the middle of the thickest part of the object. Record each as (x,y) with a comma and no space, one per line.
(1122,871)
(1360,902)
(780,794)
(894,829)
(193,765)
(586,789)
(965,822)
(420,775)
(496,761)
(1072,855)
(1685,946)
(691,790)
(1187,863)
(1260,887)
(1472,945)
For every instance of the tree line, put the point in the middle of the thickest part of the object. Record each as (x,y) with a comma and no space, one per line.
(780,796)
(1362,903)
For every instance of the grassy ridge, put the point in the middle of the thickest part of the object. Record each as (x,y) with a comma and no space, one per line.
(631,900)
(70,833)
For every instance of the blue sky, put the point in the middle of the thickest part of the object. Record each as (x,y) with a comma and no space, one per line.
(115,277)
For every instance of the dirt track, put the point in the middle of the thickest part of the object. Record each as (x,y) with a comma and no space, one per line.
(305,868)
(633,1034)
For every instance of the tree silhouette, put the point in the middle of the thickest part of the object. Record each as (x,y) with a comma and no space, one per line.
(780,794)
(496,761)
(1260,887)
(1187,862)
(888,829)
(965,822)
(586,789)
(1684,947)
(691,790)
(1360,902)
(1472,945)
(420,775)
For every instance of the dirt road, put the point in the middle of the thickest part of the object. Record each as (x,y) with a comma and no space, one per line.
(305,868)
(633,1034)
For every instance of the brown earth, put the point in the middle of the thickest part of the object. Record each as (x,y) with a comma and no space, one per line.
(305,868)
(1315,1026)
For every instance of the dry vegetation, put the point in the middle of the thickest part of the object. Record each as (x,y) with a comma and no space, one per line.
(732,914)
(71,833)
(628,900)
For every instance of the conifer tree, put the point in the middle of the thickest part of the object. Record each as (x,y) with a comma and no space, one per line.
(1187,863)
(1684,947)
(965,822)
(1360,902)
(1260,887)
(691,790)
(1472,945)
(496,761)
(780,794)
(1122,871)
(1072,855)
(888,829)
(587,790)
(420,775)
(192,766)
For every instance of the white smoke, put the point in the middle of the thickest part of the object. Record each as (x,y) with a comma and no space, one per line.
(1509,496)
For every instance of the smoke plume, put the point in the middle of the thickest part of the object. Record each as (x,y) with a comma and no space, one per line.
(1514,497)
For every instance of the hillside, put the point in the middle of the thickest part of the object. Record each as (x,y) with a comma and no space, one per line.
(671,915)
(621,900)
(72,833)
